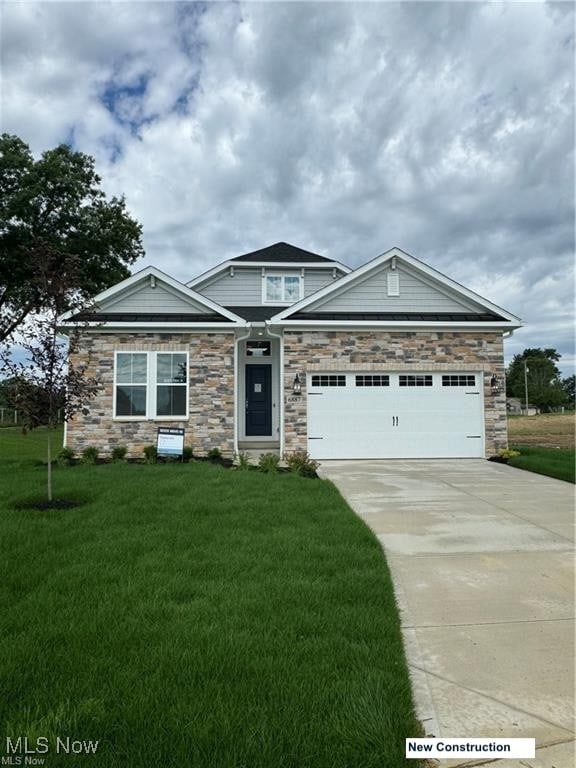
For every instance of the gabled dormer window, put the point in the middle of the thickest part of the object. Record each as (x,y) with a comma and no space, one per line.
(282,288)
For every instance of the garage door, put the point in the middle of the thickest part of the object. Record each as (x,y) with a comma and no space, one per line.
(395,415)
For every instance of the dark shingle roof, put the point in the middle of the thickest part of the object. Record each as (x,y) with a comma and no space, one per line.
(256,314)
(154,317)
(467,317)
(281,252)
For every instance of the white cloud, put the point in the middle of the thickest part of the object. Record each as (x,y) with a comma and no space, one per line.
(443,128)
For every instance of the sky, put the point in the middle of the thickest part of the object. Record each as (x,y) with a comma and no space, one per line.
(443,128)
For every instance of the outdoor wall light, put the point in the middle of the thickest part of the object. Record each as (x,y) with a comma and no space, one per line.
(496,384)
(296,386)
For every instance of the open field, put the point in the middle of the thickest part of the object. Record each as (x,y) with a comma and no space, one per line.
(546,443)
(189,615)
(546,429)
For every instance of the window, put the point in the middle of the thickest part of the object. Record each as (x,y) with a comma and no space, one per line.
(258,349)
(283,289)
(417,380)
(459,381)
(150,385)
(131,383)
(372,381)
(328,380)
(171,384)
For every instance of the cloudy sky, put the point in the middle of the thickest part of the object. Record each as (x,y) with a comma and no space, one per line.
(443,128)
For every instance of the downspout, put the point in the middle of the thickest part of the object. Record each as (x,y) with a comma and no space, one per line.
(237,341)
(280,337)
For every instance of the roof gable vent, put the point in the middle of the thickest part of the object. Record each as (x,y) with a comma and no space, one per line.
(393,283)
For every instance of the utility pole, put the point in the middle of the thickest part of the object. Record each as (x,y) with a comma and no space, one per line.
(526,369)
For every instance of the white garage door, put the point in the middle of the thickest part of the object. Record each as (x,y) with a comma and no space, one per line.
(395,415)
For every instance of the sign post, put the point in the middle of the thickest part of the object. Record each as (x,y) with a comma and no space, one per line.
(170,442)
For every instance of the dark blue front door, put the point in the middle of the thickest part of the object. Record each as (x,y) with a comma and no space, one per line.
(259,400)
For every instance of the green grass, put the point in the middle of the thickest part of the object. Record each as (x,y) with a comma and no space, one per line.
(553,462)
(189,615)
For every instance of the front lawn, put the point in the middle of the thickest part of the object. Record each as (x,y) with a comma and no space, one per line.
(554,462)
(189,615)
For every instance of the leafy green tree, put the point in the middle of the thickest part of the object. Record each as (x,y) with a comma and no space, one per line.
(569,385)
(56,221)
(543,378)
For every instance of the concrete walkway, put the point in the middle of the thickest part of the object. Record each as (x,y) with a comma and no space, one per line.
(482,557)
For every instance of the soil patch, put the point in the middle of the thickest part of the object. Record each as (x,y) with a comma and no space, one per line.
(546,430)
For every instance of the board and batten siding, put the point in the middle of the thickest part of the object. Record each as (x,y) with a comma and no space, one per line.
(245,288)
(144,298)
(371,295)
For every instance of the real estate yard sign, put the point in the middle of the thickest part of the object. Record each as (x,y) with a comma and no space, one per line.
(170,441)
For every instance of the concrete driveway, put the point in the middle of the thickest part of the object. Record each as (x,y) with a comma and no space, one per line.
(482,557)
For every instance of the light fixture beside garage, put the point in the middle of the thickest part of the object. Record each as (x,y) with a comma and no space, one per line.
(296,386)
(496,384)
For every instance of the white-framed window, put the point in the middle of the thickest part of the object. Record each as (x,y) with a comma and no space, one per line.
(282,288)
(151,385)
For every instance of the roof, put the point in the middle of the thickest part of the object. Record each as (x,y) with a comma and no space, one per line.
(155,317)
(256,313)
(281,252)
(425,316)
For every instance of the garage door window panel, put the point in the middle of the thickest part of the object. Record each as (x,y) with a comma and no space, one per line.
(328,380)
(372,381)
(415,380)
(459,381)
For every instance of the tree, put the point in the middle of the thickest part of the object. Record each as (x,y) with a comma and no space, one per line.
(543,378)
(46,385)
(569,385)
(55,218)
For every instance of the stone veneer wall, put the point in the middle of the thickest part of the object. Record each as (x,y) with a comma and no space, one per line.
(211,391)
(306,351)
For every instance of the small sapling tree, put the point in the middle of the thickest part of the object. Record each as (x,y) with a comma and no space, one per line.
(45,386)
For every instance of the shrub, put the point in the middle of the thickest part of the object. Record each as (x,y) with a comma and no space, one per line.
(301,464)
(214,454)
(268,462)
(119,453)
(187,453)
(89,455)
(150,454)
(65,457)
(508,453)
(242,461)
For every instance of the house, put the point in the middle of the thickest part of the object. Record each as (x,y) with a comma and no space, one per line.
(516,407)
(282,349)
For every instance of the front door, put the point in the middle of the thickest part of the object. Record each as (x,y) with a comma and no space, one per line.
(258,400)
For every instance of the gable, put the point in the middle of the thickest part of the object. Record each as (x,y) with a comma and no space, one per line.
(151,298)
(243,286)
(414,294)
(147,297)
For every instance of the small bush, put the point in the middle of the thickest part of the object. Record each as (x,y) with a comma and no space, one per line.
(214,454)
(242,461)
(187,453)
(268,462)
(65,457)
(150,454)
(301,464)
(119,454)
(508,453)
(89,455)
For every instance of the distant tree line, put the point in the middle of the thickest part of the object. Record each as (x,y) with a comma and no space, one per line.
(535,370)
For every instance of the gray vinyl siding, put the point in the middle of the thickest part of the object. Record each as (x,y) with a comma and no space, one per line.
(147,299)
(245,288)
(371,295)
